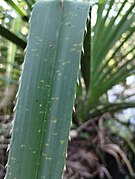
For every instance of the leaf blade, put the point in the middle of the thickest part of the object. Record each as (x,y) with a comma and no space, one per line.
(52,74)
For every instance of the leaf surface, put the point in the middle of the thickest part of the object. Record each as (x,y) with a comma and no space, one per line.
(47,90)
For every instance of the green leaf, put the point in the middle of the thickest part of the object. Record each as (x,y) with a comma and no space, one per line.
(100,109)
(16,7)
(85,57)
(16,25)
(12,37)
(47,90)
(29,3)
(108,32)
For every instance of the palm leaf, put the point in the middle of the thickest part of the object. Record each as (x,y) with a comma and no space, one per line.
(16,24)
(17,8)
(12,37)
(47,89)
(108,42)
(100,108)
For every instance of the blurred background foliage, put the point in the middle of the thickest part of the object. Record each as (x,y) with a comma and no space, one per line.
(103,128)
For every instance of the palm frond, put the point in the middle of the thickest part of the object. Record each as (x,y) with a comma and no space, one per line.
(111,61)
(17,8)
(12,37)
